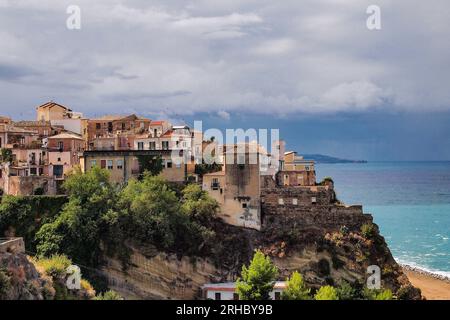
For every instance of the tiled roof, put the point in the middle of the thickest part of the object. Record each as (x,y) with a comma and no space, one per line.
(51,104)
(66,135)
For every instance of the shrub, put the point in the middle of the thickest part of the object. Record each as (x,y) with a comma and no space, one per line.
(55,266)
(377,294)
(326,293)
(296,288)
(258,279)
(108,295)
(346,292)
(368,230)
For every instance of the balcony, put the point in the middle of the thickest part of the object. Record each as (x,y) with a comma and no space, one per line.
(215,185)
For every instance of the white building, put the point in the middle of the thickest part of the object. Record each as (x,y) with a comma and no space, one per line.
(227,291)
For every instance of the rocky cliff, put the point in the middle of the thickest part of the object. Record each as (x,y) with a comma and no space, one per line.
(327,244)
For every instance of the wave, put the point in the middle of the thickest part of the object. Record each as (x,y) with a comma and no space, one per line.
(443,275)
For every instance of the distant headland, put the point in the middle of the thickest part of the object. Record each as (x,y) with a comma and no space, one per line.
(320,158)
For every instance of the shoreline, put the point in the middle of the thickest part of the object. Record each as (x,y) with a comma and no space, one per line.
(424,272)
(433,286)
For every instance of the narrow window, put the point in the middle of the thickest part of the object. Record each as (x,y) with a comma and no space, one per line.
(169,164)
(110,164)
(217,296)
(294,201)
(313,200)
(120,164)
(280,201)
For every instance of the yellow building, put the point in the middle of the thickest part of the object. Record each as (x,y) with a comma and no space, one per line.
(124,165)
(296,171)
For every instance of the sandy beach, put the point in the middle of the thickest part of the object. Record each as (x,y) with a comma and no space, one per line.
(433,287)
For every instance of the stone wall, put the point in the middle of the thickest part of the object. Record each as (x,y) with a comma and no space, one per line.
(12,245)
(308,207)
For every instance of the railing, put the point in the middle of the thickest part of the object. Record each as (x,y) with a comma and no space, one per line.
(215,185)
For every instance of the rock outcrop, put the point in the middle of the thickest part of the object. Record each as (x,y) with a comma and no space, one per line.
(19,279)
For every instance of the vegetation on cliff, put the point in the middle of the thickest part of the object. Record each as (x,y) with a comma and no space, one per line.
(258,280)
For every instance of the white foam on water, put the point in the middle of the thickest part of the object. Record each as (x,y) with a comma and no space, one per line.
(425,269)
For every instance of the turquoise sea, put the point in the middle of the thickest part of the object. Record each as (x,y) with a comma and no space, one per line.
(410,202)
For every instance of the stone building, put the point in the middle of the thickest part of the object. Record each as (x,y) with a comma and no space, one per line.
(64,152)
(115,131)
(124,165)
(237,186)
(54,111)
(296,171)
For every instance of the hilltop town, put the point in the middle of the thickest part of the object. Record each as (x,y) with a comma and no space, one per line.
(268,201)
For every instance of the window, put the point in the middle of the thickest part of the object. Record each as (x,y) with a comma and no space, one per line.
(165,145)
(294,201)
(178,165)
(152,145)
(103,164)
(41,171)
(280,201)
(217,296)
(123,125)
(244,205)
(1,142)
(98,126)
(169,164)
(140,146)
(59,159)
(277,295)
(33,171)
(313,200)
(60,145)
(110,164)
(120,164)
(93,163)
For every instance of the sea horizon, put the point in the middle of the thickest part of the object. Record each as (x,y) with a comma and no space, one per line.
(409,201)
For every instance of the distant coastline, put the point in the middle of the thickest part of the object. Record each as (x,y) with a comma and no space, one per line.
(320,158)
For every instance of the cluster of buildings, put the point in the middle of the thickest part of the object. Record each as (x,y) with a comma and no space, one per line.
(37,156)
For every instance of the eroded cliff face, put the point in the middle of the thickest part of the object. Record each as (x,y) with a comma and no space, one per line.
(304,229)
(324,255)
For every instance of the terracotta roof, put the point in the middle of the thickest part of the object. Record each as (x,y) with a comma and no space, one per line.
(66,135)
(52,104)
(157,123)
(167,134)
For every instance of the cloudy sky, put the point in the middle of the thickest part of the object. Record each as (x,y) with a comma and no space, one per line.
(308,67)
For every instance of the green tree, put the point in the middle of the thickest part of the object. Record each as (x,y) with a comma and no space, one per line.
(296,288)
(198,205)
(6,155)
(258,279)
(152,164)
(152,209)
(346,292)
(326,293)
(78,230)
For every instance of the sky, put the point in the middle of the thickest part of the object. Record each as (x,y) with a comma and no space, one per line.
(310,68)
